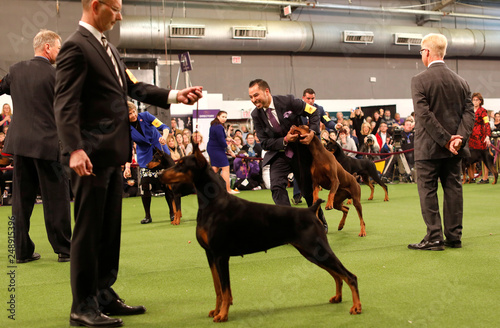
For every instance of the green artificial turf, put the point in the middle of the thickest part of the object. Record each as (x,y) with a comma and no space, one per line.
(163,267)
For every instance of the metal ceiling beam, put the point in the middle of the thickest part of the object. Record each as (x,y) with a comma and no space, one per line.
(444,3)
(330,6)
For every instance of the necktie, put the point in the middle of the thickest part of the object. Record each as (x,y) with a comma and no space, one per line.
(113,60)
(274,123)
(277,128)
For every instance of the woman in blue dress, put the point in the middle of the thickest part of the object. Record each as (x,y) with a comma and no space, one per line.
(217,147)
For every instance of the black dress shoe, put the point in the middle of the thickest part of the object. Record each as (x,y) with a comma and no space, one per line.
(117,307)
(453,243)
(93,319)
(428,245)
(33,257)
(63,257)
(146,220)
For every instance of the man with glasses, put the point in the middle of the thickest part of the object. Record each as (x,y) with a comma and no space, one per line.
(92,85)
(444,117)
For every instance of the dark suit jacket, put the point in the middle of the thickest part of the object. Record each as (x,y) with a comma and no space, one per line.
(32,132)
(443,107)
(91,106)
(289,110)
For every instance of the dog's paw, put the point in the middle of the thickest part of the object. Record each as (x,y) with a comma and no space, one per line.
(336,299)
(213,313)
(356,309)
(220,318)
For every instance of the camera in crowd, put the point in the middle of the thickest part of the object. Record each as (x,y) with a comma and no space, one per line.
(397,135)
(370,140)
(495,134)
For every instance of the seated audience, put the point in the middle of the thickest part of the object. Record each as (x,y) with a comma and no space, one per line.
(252,148)
(247,172)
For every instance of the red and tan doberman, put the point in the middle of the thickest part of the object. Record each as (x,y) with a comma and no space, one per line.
(327,173)
(227,226)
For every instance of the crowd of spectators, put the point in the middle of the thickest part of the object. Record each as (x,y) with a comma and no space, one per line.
(360,135)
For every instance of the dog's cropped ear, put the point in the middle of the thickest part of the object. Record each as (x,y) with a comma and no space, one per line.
(200,159)
(158,151)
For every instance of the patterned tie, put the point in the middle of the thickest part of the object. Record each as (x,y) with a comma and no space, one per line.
(277,128)
(274,123)
(110,54)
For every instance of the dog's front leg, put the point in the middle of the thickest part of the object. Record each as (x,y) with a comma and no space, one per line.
(218,291)
(222,265)
(331,195)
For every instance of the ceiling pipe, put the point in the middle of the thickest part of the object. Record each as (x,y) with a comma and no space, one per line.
(330,6)
(143,32)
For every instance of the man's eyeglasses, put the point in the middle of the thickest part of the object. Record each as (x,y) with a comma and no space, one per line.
(113,8)
(422,50)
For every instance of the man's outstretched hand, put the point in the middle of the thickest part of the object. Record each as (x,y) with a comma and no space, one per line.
(190,95)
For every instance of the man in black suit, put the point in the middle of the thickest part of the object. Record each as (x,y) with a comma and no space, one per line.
(273,117)
(444,117)
(33,141)
(92,85)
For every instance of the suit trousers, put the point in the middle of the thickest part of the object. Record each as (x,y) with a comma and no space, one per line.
(280,167)
(95,248)
(29,176)
(448,171)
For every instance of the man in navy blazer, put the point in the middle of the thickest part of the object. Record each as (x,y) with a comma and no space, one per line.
(444,117)
(91,110)
(279,144)
(33,141)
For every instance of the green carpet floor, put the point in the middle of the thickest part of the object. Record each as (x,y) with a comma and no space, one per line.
(163,267)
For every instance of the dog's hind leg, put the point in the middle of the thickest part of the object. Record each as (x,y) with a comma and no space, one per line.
(318,251)
(169,198)
(488,161)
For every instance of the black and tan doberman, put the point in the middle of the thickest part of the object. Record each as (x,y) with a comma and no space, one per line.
(230,226)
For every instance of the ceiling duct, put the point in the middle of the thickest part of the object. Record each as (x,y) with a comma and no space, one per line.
(249,32)
(144,32)
(186,31)
(358,36)
(408,39)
